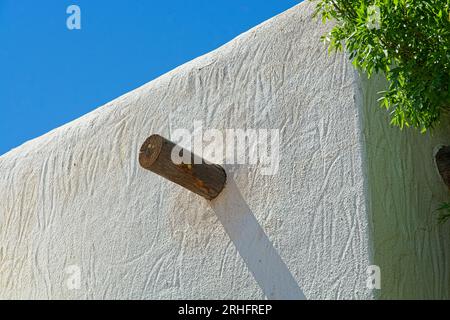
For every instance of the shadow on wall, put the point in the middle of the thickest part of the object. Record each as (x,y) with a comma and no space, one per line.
(405,188)
(261,258)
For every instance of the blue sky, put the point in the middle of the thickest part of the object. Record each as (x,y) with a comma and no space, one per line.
(50,75)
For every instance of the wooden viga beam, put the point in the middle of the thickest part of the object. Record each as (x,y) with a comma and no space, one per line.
(200,177)
(443,164)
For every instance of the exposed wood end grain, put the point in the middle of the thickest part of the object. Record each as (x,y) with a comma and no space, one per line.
(443,164)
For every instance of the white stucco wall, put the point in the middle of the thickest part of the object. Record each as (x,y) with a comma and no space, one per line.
(405,189)
(77,195)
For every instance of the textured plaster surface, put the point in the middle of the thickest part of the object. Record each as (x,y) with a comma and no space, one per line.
(77,196)
(411,248)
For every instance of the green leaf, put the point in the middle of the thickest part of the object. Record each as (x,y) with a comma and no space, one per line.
(411,48)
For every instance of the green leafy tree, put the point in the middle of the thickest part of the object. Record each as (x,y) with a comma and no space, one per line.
(406,40)
(444,212)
